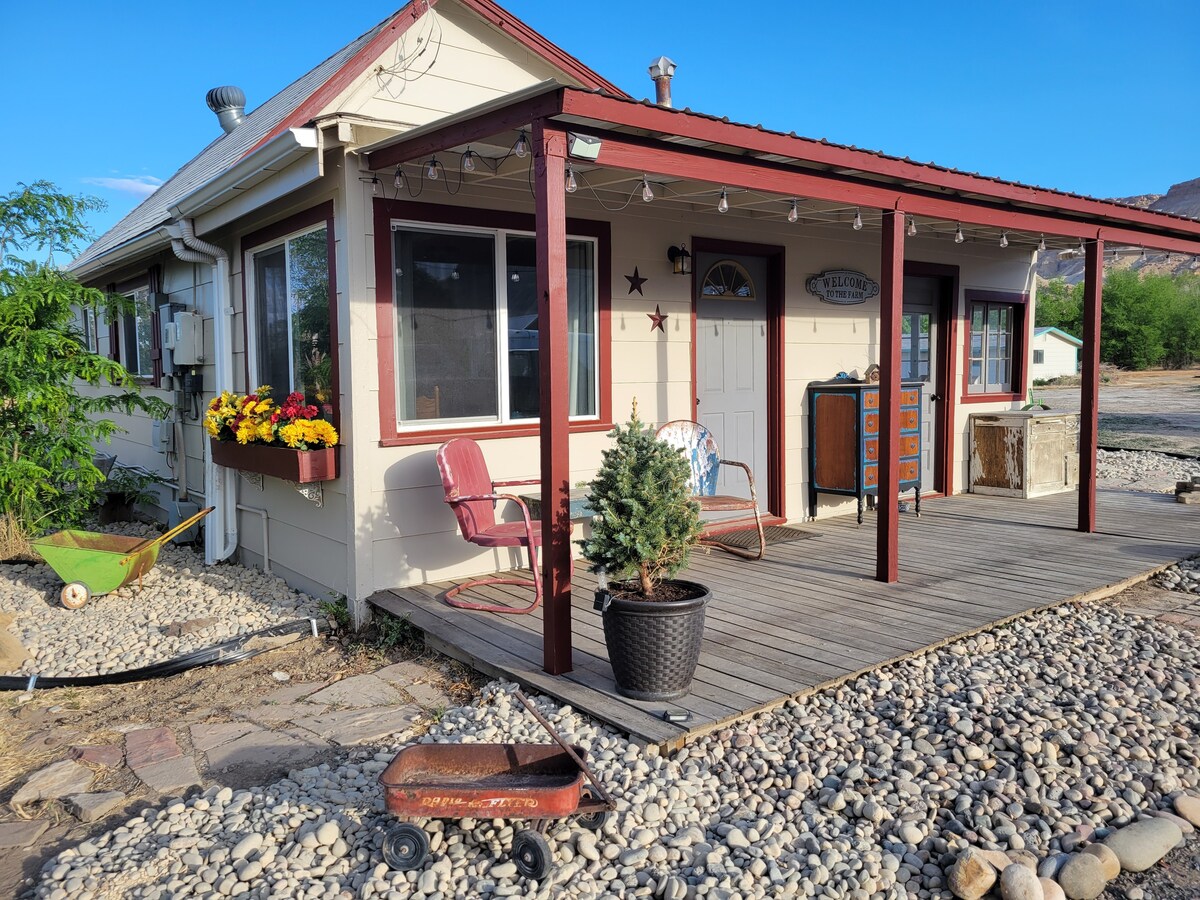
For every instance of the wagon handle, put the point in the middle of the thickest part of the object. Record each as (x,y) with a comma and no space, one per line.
(166,536)
(604,795)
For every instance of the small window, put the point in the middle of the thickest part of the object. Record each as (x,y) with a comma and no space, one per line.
(1039,357)
(990,362)
(88,335)
(137,337)
(291,336)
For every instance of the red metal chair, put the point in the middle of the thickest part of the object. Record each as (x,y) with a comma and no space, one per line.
(699,448)
(472,495)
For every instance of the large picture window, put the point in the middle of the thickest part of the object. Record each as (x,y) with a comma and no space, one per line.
(466,326)
(290,339)
(996,344)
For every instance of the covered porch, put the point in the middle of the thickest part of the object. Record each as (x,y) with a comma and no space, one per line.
(811,614)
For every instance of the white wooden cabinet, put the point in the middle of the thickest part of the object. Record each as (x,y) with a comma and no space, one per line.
(1024,454)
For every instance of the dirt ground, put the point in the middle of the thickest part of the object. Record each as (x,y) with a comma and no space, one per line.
(41,730)
(1154,410)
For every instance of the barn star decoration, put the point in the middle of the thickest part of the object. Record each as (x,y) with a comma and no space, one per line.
(657,318)
(636,281)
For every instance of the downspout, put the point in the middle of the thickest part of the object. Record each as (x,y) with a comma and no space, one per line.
(220,486)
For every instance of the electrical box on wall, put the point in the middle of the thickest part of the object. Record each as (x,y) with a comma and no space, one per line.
(183,335)
(162,435)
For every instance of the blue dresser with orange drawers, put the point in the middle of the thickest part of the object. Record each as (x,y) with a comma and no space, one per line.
(843,441)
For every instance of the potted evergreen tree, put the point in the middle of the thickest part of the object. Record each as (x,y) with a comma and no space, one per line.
(643,531)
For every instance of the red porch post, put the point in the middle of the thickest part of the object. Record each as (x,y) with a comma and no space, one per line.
(1089,416)
(891,302)
(550,149)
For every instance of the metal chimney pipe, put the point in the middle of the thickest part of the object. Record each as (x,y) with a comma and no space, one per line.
(661,70)
(229,103)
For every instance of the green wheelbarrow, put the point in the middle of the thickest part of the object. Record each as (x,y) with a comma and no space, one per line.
(92,563)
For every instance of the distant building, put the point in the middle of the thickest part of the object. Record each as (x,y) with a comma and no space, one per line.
(1055,353)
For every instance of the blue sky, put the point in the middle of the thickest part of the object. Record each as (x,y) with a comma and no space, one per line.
(108,98)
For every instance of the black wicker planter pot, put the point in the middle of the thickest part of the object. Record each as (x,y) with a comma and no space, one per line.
(654,646)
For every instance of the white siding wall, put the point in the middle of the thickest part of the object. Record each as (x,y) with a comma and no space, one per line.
(1061,357)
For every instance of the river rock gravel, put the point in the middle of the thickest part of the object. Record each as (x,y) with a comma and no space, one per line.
(1183,576)
(183,606)
(1034,737)
(1143,470)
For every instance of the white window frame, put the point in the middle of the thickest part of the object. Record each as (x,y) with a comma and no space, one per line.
(500,268)
(128,349)
(984,387)
(251,305)
(88,325)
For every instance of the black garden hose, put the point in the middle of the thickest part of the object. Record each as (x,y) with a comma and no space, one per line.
(217,655)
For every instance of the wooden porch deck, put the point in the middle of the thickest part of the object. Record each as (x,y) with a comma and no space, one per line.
(811,615)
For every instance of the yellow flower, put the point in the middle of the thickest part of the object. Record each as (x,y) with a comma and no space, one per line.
(212,426)
(292,434)
(266,432)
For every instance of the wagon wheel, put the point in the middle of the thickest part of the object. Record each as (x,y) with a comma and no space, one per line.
(75,595)
(531,853)
(593,821)
(405,847)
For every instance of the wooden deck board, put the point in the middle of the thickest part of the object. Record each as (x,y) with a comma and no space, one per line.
(811,613)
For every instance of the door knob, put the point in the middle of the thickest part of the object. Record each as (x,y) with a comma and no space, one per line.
(935,396)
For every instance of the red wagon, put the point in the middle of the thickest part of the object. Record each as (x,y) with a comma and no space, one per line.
(537,782)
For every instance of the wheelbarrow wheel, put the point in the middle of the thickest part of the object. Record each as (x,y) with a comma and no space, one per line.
(405,847)
(594,821)
(75,595)
(531,853)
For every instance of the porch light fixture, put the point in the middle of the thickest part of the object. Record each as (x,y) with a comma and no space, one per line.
(431,169)
(857,226)
(572,185)
(521,147)
(958,235)
(468,161)
(793,213)
(1042,243)
(723,203)
(1004,239)
(647,191)
(373,181)
(912,227)
(581,146)
(681,260)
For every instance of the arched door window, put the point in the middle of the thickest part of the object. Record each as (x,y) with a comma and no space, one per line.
(729,280)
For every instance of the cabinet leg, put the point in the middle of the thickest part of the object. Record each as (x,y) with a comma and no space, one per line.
(918,497)
(860,509)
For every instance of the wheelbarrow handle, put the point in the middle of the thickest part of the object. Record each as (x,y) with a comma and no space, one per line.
(166,536)
(604,795)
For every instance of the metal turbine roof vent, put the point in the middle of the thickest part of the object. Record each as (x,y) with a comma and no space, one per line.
(229,103)
(661,70)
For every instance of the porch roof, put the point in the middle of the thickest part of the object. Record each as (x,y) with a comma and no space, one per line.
(640,135)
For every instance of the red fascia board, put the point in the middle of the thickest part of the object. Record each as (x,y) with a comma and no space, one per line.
(350,69)
(686,124)
(641,155)
(547,50)
(485,125)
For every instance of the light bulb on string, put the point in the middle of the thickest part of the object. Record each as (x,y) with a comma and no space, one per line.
(1004,239)
(958,235)
(793,213)
(521,148)
(857,226)
(469,161)
(912,227)
(723,203)
(572,185)
(647,191)
(1042,243)
(431,169)
(398,180)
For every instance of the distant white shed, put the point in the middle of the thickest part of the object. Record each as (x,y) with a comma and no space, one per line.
(1055,353)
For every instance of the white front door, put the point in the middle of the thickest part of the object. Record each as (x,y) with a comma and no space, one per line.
(731,365)
(918,361)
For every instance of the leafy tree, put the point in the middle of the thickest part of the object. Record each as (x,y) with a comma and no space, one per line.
(646,522)
(48,427)
(1059,305)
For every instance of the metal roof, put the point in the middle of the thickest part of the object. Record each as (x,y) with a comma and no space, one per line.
(220,155)
(1066,336)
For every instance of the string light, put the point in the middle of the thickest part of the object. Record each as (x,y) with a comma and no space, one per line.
(398,181)
(1004,239)
(958,235)
(374,184)
(647,191)
(431,169)
(793,213)
(572,184)
(1143,256)
(857,226)
(912,227)
(521,148)
(1042,243)
(723,203)
(468,162)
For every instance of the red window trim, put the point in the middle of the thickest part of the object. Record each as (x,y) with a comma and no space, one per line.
(384,212)
(316,215)
(1021,326)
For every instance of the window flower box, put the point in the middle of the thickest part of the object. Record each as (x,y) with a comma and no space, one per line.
(300,466)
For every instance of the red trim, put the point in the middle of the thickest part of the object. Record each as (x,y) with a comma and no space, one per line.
(891,305)
(686,124)
(1089,422)
(395,28)
(774,255)
(1022,327)
(322,212)
(947,315)
(384,211)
